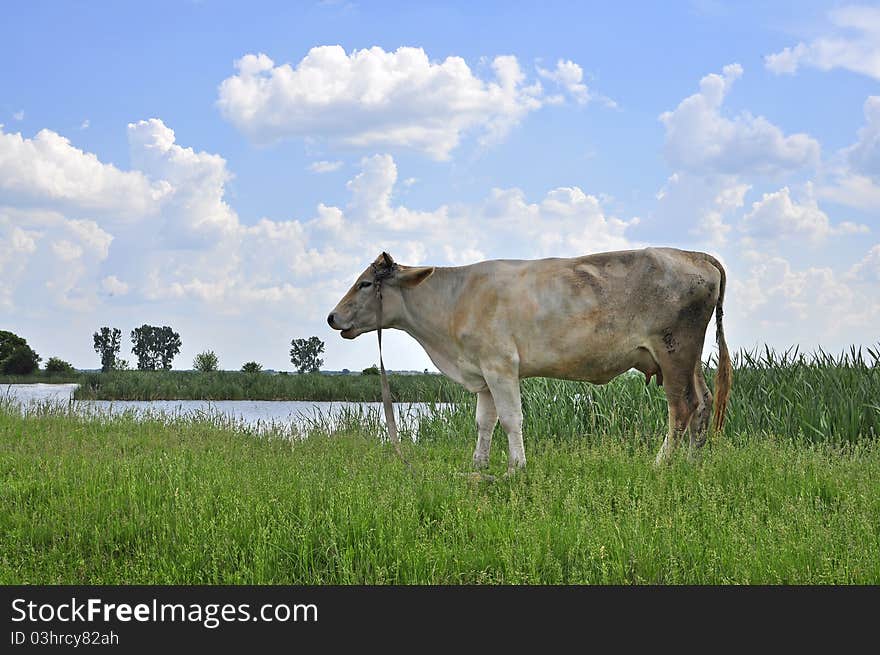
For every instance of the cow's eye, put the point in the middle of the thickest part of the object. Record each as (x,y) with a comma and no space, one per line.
(365,284)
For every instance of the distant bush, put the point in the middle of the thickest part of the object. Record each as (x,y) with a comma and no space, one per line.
(251,367)
(371,370)
(206,362)
(57,365)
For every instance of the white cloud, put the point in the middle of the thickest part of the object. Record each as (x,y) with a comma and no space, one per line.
(811,306)
(566,223)
(196,209)
(19,115)
(570,76)
(371,191)
(114,286)
(84,125)
(707,204)
(325,166)
(857,191)
(778,216)
(374,98)
(868,269)
(854,45)
(864,155)
(48,252)
(702,140)
(854,177)
(48,171)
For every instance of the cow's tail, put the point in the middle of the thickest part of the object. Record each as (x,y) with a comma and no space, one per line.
(724,374)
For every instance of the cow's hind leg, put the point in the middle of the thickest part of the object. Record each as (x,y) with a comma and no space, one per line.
(487,417)
(699,427)
(678,380)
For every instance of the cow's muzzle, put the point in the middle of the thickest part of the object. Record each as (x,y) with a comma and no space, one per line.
(349,332)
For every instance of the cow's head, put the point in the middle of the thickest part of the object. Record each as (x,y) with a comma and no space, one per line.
(358,311)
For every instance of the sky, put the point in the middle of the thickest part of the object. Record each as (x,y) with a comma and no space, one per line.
(228,168)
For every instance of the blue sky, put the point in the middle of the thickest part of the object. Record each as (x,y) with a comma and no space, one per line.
(227,168)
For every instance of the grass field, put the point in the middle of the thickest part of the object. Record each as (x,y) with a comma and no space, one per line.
(789,494)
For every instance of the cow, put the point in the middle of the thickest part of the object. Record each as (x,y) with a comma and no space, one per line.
(488,325)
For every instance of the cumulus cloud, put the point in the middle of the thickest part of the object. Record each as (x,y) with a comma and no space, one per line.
(325,166)
(857,191)
(196,209)
(853,45)
(700,139)
(864,155)
(114,286)
(867,270)
(778,216)
(374,98)
(813,305)
(706,203)
(47,170)
(47,258)
(567,222)
(570,76)
(854,179)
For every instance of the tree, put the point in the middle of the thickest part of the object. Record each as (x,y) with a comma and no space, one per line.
(371,370)
(251,367)
(107,342)
(56,365)
(16,357)
(304,354)
(155,347)
(206,362)
(8,342)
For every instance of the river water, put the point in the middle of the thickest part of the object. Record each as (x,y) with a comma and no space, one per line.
(260,414)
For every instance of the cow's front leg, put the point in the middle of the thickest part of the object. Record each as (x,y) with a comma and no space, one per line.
(505,393)
(487,417)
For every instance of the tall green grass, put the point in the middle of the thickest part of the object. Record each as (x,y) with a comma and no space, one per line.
(818,397)
(235,385)
(42,377)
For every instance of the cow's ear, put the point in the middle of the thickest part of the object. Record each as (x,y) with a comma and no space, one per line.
(412,276)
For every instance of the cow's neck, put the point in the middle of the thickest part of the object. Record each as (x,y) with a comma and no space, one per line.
(426,308)
(425,316)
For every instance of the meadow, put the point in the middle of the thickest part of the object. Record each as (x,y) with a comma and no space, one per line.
(789,493)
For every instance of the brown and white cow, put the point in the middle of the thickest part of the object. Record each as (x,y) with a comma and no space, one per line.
(487,325)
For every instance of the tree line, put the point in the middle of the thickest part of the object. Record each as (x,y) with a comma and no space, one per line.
(154,348)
